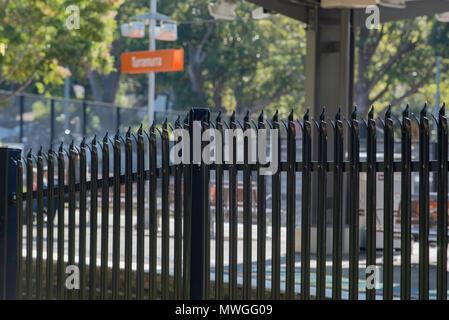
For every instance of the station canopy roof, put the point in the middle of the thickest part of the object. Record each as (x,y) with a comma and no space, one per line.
(298,9)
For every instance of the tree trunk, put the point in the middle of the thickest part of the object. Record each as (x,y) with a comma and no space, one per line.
(110,86)
(218,98)
(94,85)
(111,81)
(362,99)
(104,89)
(196,58)
(195,76)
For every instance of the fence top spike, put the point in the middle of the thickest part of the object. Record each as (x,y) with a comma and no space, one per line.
(72,144)
(354,114)
(405,113)
(218,117)
(178,121)
(117,134)
(260,119)
(164,125)
(276,116)
(232,119)
(290,116)
(388,112)
(106,137)
(323,114)
(128,133)
(61,146)
(246,118)
(371,113)
(39,153)
(442,110)
(307,115)
(50,150)
(338,115)
(424,110)
(29,153)
(83,142)
(94,140)
(140,130)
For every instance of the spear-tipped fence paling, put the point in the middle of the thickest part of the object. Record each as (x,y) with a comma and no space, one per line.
(33,262)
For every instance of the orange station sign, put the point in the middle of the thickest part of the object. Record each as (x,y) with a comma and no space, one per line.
(153,61)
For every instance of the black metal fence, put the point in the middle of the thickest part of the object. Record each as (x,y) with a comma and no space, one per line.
(115,263)
(37,120)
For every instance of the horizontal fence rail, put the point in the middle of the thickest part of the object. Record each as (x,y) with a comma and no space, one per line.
(121,219)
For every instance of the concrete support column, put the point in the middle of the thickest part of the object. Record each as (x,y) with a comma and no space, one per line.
(329,80)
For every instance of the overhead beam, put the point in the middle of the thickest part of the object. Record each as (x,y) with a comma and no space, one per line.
(414,9)
(291,10)
(300,10)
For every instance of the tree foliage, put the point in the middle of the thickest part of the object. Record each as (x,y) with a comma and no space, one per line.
(393,63)
(39,46)
(242,64)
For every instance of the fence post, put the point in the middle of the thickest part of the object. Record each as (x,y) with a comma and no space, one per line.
(321,208)
(442,206)
(197,237)
(371,200)
(305,210)
(8,227)
(354,188)
(187,216)
(406,200)
(424,132)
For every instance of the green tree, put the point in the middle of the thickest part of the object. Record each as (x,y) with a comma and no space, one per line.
(439,38)
(242,64)
(105,85)
(393,63)
(39,45)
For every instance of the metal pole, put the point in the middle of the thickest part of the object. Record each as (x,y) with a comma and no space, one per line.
(151,75)
(8,227)
(196,235)
(437,110)
(22,105)
(437,81)
(66,104)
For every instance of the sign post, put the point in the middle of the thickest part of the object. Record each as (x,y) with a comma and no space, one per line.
(151,62)
(151,75)
(166,32)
